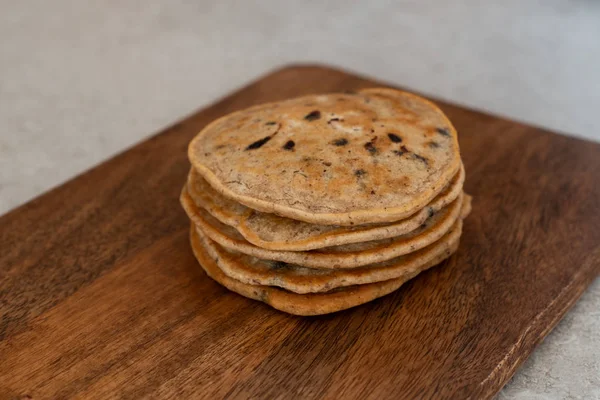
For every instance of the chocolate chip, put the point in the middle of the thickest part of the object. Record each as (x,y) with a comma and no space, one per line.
(443,131)
(433,145)
(300,173)
(372,192)
(258,143)
(402,150)
(313,115)
(278,264)
(394,138)
(370,148)
(340,142)
(271,123)
(289,145)
(333,120)
(359,172)
(430,212)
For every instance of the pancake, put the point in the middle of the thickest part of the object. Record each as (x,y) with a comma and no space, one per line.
(344,256)
(273,232)
(299,279)
(374,156)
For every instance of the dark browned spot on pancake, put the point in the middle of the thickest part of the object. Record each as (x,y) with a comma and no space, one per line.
(327,163)
(289,145)
(258,143)
(443,131)
(350,92)
(394,138)
(333,120)
(359,173)
(271,123)
(219,147)
(340,142)
(398,152)
(313,115)
(372,192)
(430,212)
(433,145)
(372,130)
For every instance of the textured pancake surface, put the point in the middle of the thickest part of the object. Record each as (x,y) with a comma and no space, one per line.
(377,155)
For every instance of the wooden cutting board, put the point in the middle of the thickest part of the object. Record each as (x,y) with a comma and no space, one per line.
(100,296)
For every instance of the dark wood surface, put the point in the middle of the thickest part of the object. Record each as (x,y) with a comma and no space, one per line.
(100,296)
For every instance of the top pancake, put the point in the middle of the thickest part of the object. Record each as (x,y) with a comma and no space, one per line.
(378,155)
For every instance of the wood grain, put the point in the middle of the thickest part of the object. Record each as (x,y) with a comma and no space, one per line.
(100,296)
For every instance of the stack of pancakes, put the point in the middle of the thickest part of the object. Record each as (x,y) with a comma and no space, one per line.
(324,202)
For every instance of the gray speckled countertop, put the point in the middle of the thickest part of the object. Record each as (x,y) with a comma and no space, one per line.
(80,81)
